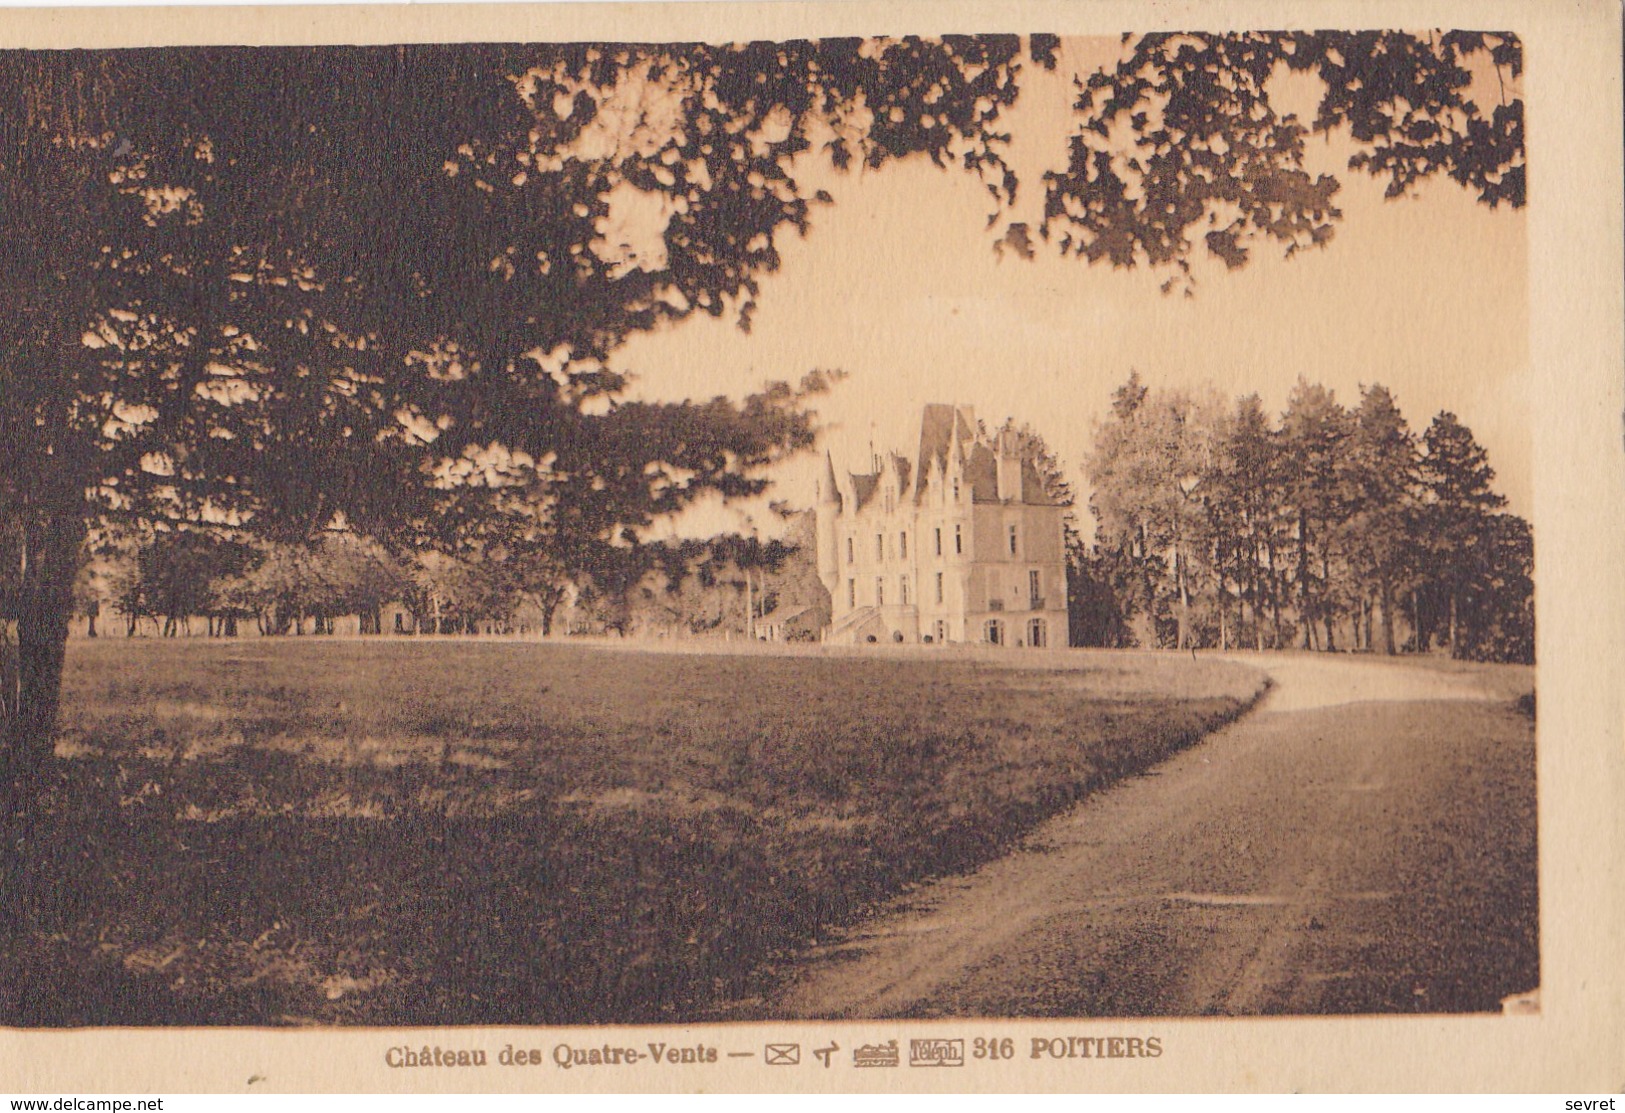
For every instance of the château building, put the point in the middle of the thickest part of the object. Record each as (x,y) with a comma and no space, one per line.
(961,544)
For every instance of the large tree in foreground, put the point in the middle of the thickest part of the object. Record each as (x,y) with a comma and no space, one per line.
(268,290)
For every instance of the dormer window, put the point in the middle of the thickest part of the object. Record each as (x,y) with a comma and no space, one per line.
(956,490)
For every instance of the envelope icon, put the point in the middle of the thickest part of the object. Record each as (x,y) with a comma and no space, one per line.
(782,1054)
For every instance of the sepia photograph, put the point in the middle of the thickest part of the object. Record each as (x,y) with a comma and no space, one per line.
(732,531)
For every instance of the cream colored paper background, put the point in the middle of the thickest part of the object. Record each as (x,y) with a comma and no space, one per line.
(1576,1043)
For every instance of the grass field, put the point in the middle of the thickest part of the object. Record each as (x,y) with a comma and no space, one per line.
(454,832)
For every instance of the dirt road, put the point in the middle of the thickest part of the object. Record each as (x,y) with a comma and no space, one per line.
(1364,841)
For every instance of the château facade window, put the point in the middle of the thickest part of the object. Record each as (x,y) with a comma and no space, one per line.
(1013,541)
(880,546)
(902,545)
(851,594)
(850,555)
(939,587)
(902,590)
(959,540)
(939,540)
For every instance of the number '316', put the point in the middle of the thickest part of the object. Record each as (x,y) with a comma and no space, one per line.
(993,1049)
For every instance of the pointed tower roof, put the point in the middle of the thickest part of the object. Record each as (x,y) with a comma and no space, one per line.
(945,431)
(829,491)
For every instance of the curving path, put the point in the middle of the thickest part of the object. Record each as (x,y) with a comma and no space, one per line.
(1363,841)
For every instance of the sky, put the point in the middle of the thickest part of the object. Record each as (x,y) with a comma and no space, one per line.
(899,285)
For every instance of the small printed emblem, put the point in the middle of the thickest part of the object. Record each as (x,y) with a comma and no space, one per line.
(876,1055)
(826,1055)
(782,1054)
(936,1053)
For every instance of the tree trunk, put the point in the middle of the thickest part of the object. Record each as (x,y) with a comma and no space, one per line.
(53,543)
(1275,603)
(1184,603)
(1148,624)
(1305,615)
(1260,590)
(1327,617)
(1250,595)
(52,547)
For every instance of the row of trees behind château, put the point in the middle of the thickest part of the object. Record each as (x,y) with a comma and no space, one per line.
(1331,528)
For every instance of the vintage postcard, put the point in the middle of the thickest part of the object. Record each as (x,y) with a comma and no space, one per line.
(811,547)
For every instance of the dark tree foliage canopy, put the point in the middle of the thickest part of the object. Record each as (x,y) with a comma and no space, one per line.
(338,256)
(1180,143)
